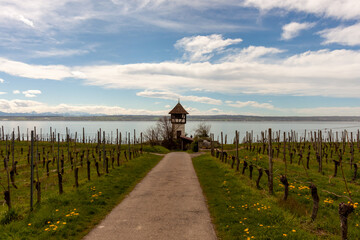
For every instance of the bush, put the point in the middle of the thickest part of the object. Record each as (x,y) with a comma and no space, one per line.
(195,146)
(9,216)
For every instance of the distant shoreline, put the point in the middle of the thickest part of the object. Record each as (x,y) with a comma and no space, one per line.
(238,118)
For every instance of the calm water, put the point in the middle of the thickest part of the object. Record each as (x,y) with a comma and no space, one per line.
(217,127)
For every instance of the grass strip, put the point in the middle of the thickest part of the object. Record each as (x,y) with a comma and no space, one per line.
(240,211)
(73,214)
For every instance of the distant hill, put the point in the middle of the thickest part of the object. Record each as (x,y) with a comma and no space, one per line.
(68,117)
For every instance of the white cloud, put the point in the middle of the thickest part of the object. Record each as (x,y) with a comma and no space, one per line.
(16,92)
(175,96)
(312,73)
(29,106)
(44,15)
(292,30)
(349,35)
(338,9)
(53,72)
(254,104)
(202,48)
(167,106)
(31,93)
(2,80)
(26,20)
(251,53)
(60,52)
(68,15)
(321,111)
(2,93)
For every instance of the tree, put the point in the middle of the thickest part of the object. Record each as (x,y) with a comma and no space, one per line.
(161,132)
(152,135)
(202,130)
(164,127)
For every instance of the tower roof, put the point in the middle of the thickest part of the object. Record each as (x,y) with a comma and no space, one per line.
(178,109)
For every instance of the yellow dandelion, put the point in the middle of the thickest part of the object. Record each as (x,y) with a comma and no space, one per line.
(64,223)
(285,235)
(293,230)
(29,224)
(246,229)
(57,210)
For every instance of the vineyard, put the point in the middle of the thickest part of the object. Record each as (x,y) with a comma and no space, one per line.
(273,186)
(284,186)
(59,171)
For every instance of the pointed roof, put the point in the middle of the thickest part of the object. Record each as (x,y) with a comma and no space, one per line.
(178,109)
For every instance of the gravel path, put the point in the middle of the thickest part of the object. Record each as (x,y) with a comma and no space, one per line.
(167,204)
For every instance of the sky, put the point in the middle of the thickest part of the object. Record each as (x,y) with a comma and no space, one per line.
(139,57)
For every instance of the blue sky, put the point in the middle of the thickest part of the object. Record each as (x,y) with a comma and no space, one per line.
(247,57)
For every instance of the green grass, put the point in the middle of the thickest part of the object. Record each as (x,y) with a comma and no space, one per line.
(81,208)
(155,149)
(236,205)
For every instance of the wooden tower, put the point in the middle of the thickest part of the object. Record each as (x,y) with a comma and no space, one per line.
(178,120)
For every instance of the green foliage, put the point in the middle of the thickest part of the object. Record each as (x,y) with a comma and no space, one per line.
(194,146)
(9,216)
(155,149)
(72,214)
(240,211)
(202,130)
(331,190)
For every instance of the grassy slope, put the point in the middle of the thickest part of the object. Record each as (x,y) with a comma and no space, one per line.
(239,210)
(74,213)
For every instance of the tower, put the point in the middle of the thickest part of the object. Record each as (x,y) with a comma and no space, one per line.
(178,120)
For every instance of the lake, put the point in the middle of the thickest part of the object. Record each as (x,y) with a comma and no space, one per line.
(227,127)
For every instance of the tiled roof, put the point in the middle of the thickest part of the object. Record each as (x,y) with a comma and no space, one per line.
(178,109)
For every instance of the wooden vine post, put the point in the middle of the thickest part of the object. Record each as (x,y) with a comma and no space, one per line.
(38,183)
(32,171)
(13,152)
(316,199)
(320,151)
(120,140)
(271,185)
(58,167)
(129,142)
(141,142)
(344,212)
(237,150)
(99,143)
(104,153)
(285,153)
(6,162)
(222,147)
